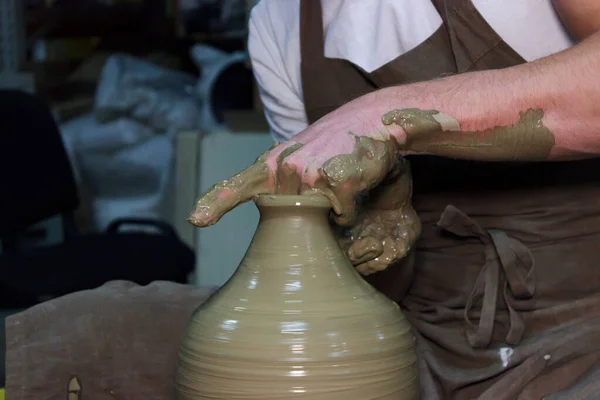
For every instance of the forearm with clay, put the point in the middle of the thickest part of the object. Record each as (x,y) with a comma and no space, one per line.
(525,113)
(543,110)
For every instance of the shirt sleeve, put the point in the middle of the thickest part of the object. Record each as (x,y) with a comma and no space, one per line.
(284,107)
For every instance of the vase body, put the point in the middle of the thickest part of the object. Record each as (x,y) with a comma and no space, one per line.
(297,321)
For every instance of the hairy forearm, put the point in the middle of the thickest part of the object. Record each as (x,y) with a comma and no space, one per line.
(544,110)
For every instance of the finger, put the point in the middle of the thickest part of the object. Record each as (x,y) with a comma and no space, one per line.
(364,249)
(226,195)
(393,250)
(349,176)
(390,254)
(287,178)
(342,176)
(371,267)
(395,193)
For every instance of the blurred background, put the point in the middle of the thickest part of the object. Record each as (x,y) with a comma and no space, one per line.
(114,116)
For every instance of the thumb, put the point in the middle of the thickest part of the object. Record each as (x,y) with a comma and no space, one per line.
(225,196)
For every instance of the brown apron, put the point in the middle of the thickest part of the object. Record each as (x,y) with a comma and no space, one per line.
(504,290)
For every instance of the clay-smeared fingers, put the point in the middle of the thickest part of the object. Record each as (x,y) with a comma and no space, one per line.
(364,249)
(349,176)
(390,220)
(224,196)
(393,251)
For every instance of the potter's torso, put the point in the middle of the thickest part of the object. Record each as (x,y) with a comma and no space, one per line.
(504,290)
(371,33)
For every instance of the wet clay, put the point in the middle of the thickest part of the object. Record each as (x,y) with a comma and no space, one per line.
(227,194)
(431,132)
(74,389)
(288,181)
(389,225)
(352,175)
(296,320)
(383,227)
(341,178)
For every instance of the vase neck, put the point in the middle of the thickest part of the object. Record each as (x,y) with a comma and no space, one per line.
(294,254)
(294,231)
(294,228)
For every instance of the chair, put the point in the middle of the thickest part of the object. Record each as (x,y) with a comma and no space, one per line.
(37,183)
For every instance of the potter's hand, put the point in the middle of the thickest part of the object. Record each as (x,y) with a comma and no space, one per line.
(325,159)
(387,227)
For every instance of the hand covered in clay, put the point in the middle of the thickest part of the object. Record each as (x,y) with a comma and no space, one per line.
(388,225)
(343,166)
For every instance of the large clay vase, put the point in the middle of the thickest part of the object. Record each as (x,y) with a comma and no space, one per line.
(297,321)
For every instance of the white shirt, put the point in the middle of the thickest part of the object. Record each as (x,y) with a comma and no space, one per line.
(388,29)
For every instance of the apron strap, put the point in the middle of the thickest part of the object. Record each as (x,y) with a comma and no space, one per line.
(462,60)
(312,58)
(502,254)
(518,266)
(327,83)
(312,43)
